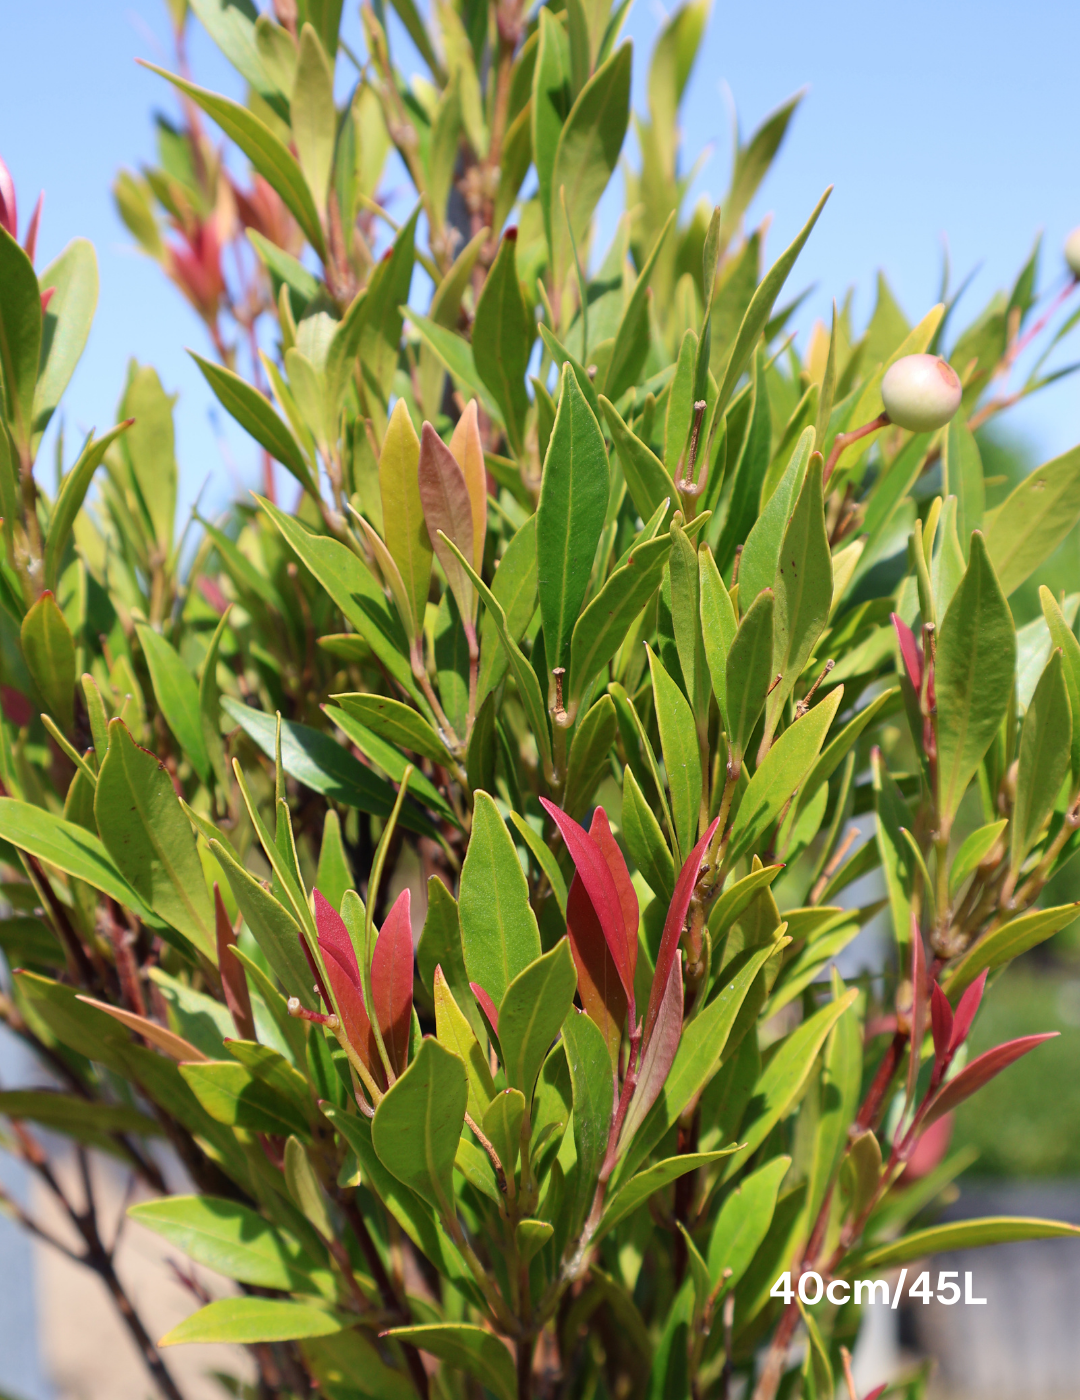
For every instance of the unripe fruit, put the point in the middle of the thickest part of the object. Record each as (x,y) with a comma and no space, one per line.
(1072,252)
(921,393)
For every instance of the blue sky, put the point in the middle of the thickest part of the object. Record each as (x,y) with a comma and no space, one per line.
(930,119)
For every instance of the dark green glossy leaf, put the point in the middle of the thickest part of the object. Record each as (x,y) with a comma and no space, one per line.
(418,1123)
(531,1014)
(503,334)
(682,757)
(177,696)
(498,927)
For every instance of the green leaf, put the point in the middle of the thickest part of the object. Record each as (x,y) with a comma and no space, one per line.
(514,588)
(418,1123)
(551,101)
(65,326)
(748,671)
(320,763)
(149,448)
(272,926)
(79,1118)
(523,673)
(780,774)
(267,154)
(698,1056)
(1030,524)
(69,500)
(647,479)
(631,348)
(594,1100)
(233,1095)
(396,723)
(256,416)
(586,155)
(501,1125)
(312,113)
(69,847)
(209,699)
(251,1320)
(229,1238)
(743,1222)
(456,354)
(1062,635)
(973,679)
(499,934)
(404,528)
(177,697)
(49,651)
(544,857)
(682,757)
(502,338)
(590,749)
(1045,747)
(464,1347)
(1005,943)
(785,1075)
(645,840)
(150,839)
(752,162)
(973,850)
(569,517)
(232,24)
(453,1031)
(393,762)
(960,1234)
(380,319)
(761,553)
(531,1013)
(803,586)
(718,627)
(20,340)
(640,1187)
(759,311)
(352,587)
(684,573)
(897,858)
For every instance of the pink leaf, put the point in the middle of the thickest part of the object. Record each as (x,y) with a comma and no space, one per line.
(659,1055)
(973,1076)
(467,449)
(673,926)
(46,297)
(334,937)
(444,498)
(966,1010)
(392,981)
(233,981)
(878,1390)
(909,650)
(488,1009)
(9,209)
(597,878)
(941,1022)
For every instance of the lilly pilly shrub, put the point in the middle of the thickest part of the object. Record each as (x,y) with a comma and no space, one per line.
(450,872)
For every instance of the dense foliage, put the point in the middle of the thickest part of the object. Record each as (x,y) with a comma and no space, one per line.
(598,614)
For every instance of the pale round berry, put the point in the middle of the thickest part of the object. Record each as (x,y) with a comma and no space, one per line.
(1072,252)
(921,392)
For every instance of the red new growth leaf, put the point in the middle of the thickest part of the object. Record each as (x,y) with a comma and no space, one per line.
(601,988)
(30,241)
(392,981)
(918,1005)
(488,1009)
(878,1390)
(966,1009)
(233,981)
(673,927)
(658,1057)
(342,969)
(973,1076)
(909,650)
(349,1000)
(600,832)
(334,937)
(941,1022)
(595,874)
